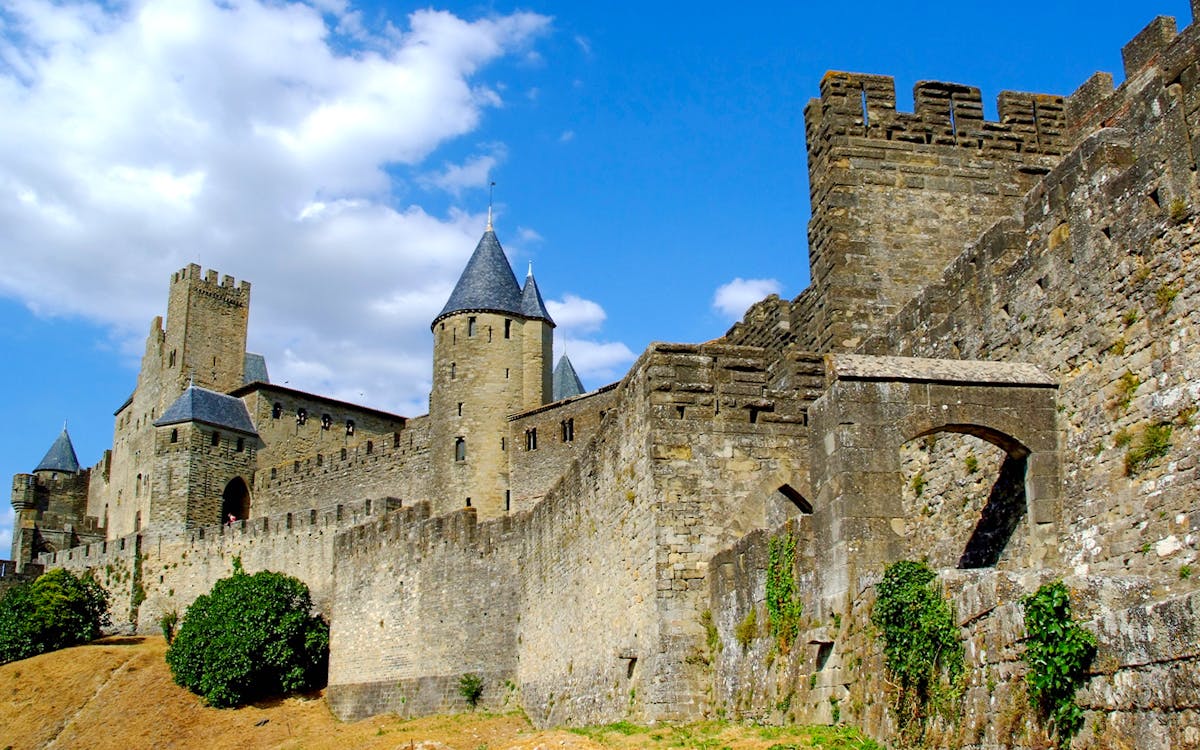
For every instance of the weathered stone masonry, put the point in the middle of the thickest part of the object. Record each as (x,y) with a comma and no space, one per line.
(999,312)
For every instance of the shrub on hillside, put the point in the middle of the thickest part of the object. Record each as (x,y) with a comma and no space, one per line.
(57,610)
(252,636)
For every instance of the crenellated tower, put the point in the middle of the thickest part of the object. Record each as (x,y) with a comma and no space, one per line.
(492,353)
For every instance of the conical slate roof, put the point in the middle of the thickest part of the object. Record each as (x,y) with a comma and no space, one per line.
(487,283)
(566,380)
(212,408)
(61,456)
(532,305)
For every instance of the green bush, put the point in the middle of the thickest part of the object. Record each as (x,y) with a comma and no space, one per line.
(470,687)
(252,636)
(57,610)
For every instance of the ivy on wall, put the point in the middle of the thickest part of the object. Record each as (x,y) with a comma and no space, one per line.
(922,648)
(783,600)
(1057,653)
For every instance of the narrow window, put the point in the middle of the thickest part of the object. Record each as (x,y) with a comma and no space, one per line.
(326,421)
(507,329)
(137,487)
(295,467)
(395,440)
(460,449)
(468,502)
(471,326)
(489,334)
(507,500)
(370,447)
(568,430)
(349,427)
(453,370)
(216,438)
(343,454)
(503,444)
(273,472)
(460,408)
(241,444)
(172,362)
(301,416)
(506,373)
(320,460)
(531,439)
(277,410)
(174,436)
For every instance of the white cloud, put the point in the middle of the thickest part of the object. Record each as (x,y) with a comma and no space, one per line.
(473,173)
(732,299)
(573,314)
(598,363)
(261,138)
(566,136)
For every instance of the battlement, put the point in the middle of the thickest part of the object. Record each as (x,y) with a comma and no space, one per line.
(945,114)
(193,275)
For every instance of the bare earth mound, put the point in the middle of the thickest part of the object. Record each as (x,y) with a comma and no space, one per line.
(118,694)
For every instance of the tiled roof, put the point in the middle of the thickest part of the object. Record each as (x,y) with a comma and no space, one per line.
(531,301)
(566,380)
(212,408)
(487,283)
(61,456)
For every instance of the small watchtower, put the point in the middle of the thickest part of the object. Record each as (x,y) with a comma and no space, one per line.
(492,353)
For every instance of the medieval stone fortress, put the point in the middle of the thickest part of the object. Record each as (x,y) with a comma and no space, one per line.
(996,368)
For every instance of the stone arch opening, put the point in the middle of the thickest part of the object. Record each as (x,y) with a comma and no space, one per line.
(964,494)
(235,501)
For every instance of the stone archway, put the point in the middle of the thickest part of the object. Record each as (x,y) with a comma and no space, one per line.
(873,405)
(235,501)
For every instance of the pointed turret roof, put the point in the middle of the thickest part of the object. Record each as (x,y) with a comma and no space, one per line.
(566,380)
(487,283)
(532,305)
(216,409)
(61,456)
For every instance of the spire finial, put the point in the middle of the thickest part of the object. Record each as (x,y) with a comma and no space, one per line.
(491,187)
(530,269)
(64,425)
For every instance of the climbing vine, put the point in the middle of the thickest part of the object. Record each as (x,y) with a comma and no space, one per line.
(783,601)
(922,650)
(1057,653)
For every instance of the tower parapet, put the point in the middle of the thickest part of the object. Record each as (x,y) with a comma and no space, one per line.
(896,196)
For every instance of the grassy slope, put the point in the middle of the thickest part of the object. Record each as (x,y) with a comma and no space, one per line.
(117,694)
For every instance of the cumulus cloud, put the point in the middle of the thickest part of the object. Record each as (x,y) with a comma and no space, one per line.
(597,363)
(262,138)
(473,173)
(732,299)
(573,314)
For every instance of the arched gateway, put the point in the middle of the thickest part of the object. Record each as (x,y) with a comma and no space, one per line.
(875,404)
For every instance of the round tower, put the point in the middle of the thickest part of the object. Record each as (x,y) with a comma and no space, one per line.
(492,345)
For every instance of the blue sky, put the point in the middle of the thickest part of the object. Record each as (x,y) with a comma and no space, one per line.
(649,161)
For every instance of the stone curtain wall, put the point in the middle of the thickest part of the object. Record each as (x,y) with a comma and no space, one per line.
(562,627)
(686,460)
(307,480)
(148,576)
(419,602)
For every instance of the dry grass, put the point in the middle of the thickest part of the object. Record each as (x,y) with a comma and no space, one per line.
(117,694)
